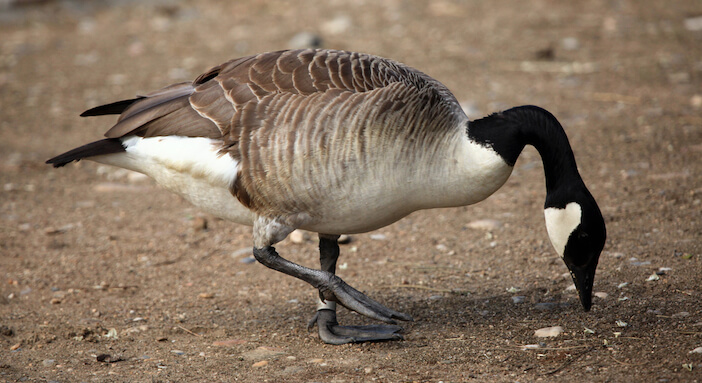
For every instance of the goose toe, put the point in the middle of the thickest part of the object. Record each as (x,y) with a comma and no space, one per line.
(332,333)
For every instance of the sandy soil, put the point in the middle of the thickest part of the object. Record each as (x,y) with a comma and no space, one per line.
(106,278)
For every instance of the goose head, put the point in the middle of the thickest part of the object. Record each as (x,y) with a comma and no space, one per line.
(577,232)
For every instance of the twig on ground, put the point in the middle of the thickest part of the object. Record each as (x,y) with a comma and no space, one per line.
(188,331)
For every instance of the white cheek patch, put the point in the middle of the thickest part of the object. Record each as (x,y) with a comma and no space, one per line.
(560,223)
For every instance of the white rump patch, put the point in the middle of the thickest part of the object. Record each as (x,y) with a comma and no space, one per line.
(192,167)
(560,223)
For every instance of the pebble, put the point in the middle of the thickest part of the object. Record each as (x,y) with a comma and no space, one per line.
(178,352)
(518,299)
(601,295)
(635,262)
(292,369)
(548,332)
(48,362)
(653,277)
(15,346)
(262,363)
(206,295)
(681,314)
(262,353)
(696,101)
(299,236)
(378,237)
(198,224)
(698,350)
(693,24)
(336,26)
(621,323)
(305,40)
(570,43)
(484,224)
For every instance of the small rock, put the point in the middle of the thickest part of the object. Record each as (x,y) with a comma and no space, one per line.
(55,301)
(681,314)
(485,224)
(698,350)
(530,347)
(601,295)
(305,40)
(570,43)
(292,370)
(178,352)
(653,277)
(693,24)
(299,236)
(621,323)
(206,295)
(513,290)
(336,26)
(262,353)
(48,362)
(198,224)
(317,361)
(368,370)
(518,299)
(262,363)
(248,260)
(621,285)
(696,101)
(378,237)
(111,334)
(15,346)
(228,342)
(548,332)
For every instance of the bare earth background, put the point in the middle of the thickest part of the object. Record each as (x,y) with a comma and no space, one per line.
(106,278)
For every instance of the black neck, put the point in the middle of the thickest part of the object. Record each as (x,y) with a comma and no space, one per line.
(508,132)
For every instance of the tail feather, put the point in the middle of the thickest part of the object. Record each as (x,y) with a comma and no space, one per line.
(97,148)
(113,108)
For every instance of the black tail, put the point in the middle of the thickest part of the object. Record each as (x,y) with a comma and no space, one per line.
(113,108)
(97,148)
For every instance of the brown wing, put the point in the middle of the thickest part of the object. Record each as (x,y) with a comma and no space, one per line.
(196,109)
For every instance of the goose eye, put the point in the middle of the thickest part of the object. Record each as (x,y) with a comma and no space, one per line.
(582,235)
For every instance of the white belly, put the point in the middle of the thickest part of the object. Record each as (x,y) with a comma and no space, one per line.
(188,166)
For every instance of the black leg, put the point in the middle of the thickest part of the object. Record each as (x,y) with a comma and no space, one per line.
(330,286)
(329,329)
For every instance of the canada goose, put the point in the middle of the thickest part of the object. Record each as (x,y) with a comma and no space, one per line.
(337,143)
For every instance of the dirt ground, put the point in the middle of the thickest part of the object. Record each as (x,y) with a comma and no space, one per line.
(106,278)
